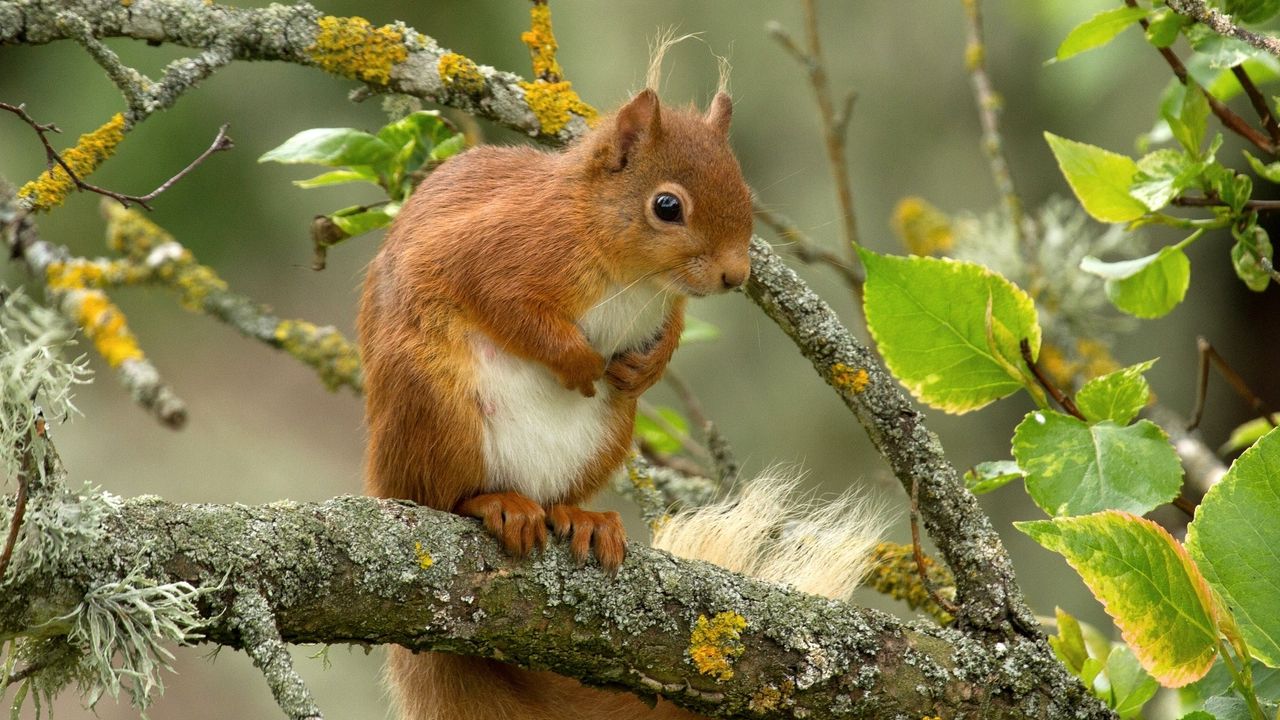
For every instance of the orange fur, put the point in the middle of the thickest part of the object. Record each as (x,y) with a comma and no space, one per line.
(501,268)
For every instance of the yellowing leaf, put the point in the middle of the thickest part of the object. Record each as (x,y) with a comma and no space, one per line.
(948,330)
(1148,585)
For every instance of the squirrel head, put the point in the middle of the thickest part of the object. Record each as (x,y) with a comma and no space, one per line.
(669,193)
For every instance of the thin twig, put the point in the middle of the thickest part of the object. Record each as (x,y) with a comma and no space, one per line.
(722,457)
(1059,397)
(1210,357)
(918,553)
(15,524)
(834,124)
(989,106)
(220,142)
(1259,206)
(1232,121)
(803,248)
(1259,102)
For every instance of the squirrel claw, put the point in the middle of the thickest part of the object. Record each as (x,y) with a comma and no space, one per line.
(588,531)
(516,521)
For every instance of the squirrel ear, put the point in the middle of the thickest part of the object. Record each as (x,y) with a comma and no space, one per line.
(720,112)
(637,118)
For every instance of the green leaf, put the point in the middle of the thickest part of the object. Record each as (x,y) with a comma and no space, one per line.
(357,221)
(1219,50)
(1068,644)
(992,475)
(1164,27)
(1148,287)
(1235,540)
(338,177)
(448,148)
(698,330)
(1247,434)
(1233,707)
(1116,396)
(1131,686)
(1270,171)
(1162,176)
(1192,119)
(948,330)
(1100,179)
(1073,468)
(1148,585)
(656,434)
(1098,30)
(1251,11)
(1252,246)
(334,147)
(1225,85)
(1197,715)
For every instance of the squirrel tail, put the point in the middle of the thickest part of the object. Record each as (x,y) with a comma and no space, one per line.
(771,532)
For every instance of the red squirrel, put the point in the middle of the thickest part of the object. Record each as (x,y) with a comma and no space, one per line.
(522,301)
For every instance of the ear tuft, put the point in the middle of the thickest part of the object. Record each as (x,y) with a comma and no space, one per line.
(720,113)
(637,119)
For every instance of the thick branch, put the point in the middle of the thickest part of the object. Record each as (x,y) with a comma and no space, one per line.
(1199,11)
(368,571)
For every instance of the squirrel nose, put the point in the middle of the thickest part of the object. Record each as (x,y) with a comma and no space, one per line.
(734,278)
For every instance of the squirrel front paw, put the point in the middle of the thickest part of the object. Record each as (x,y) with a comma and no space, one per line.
(519,523)
(631,373)
(581,372)
(588,532)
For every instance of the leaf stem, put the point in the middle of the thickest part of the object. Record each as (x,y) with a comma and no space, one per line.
(1242,678)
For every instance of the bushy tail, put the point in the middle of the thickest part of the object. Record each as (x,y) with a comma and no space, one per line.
(771,532)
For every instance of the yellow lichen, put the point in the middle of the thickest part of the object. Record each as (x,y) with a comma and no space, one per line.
(896,574)
(131,233)
(542,44)
(922,228)
(354,48)
(460,73)
(552,103)
(323,348)
(716,643)
(50,189)
(974,54)
(848,379)
(424,558)
(105,326)
(73,275)
(770,698)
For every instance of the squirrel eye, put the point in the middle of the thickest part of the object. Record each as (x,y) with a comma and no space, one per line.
(667,207)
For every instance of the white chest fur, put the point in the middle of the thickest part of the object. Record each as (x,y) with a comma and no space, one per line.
(538,436)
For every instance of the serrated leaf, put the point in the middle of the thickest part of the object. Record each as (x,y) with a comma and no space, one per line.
(1100,179)
(1247,434)
(698,330)
(1098,30)
(1233,707)
(1235,540)
(1148,585)
(338,177)
(1197,715)
(330,146)
(1148,287)
(948,330)
(1073,468)
(1131,686)
(656,435)
(1116,396)
(992,475)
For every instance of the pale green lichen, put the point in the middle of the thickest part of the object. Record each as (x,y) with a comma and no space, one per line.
(716,643)
(354,48)
(460,73)
(51,188)
(323,348)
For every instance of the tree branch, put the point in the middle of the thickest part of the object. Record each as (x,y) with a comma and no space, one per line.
(369,571)
(1200,12)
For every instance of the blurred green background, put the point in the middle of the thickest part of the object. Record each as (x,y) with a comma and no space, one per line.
(262,427)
